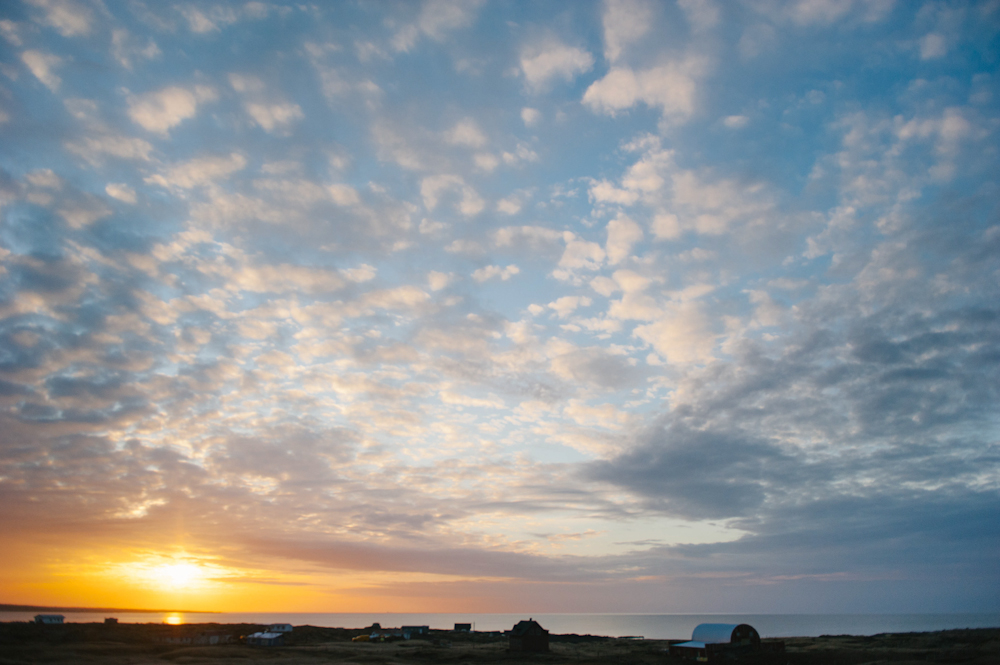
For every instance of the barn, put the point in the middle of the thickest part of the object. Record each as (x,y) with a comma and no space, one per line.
(715,641)
(528,636)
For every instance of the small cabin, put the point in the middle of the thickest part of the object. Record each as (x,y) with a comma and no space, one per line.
(414,631)
(280,628)
(528,637)
(49,618)
(266,639)
(716,641)
(463,627)
(108,621)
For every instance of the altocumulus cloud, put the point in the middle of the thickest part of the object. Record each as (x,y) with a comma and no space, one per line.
(615,306)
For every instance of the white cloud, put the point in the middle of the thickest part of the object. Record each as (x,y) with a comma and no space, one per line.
(735,121)
(466,133)
(246,84)
(682,335)
(932,46)
(41,65)
(438,280)
(489,272)
(98,140)
(670,87)
(604,285)
(120,191)
(486,161)
(92,148)
(625,22)
(566,305)
(530,117)
(11,32)
(464,246)
(436,19)
(67,17)
(623,233)
(605,192)
(344,195)
(45,178)
(205,19)
(554,60)
(580,254)
(666,226)
(285,278)
(273,117)
(522,154)
(810,12)
(530,238)
(433,187)
(126,48)
(199,172)
(164,109)
(509,206)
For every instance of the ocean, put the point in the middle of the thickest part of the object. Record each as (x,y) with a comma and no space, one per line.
(650,626)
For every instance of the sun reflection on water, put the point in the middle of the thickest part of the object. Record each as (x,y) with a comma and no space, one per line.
(174,619)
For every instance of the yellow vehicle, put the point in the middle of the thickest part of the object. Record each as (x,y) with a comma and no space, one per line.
(361,638)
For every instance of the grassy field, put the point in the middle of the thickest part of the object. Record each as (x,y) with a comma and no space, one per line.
(144,644)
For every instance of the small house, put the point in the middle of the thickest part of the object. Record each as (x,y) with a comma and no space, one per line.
(110,620)
(528,637)
(415,631)
(711,642)
(49,618)
(266,639)
(280,628)
(463,627)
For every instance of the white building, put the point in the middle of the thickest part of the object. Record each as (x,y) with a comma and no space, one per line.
(49,618)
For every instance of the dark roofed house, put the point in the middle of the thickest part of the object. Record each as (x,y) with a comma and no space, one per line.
(711,642)
(463,627)
(414,631)
(529,636)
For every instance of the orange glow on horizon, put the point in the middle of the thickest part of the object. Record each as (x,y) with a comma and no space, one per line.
(197,581)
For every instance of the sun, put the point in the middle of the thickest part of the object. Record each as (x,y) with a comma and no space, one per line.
(178,576)
(172,574)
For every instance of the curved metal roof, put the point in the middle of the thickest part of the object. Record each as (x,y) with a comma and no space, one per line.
(714,633)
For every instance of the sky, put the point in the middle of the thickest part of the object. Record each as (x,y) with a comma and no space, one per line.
(499,306)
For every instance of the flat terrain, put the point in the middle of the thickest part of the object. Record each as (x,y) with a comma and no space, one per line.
(147,644)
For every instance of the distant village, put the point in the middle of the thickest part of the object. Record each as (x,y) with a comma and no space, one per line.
(710,642)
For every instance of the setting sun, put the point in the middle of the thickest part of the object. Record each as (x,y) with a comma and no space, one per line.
(172,574)
(178,575)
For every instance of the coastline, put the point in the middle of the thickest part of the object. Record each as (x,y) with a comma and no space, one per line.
(155,644)
(45,609)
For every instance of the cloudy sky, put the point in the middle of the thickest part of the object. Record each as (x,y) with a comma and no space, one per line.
(616,306)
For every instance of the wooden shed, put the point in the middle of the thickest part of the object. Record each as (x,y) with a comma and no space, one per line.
(529,636)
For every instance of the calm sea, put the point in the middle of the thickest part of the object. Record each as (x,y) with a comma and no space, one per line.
(653,626)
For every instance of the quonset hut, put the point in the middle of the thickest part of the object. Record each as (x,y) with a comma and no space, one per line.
(715,641)
(528,636)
